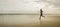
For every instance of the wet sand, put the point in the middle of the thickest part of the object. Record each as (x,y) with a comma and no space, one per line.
(29,21)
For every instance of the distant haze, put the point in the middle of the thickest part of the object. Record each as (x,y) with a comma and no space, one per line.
(26,6)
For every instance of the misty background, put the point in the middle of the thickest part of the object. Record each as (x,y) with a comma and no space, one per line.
(29,6)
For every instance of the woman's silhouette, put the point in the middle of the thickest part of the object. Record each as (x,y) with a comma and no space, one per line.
(41,13)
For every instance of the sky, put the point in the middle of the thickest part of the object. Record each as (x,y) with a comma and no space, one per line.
(28,5)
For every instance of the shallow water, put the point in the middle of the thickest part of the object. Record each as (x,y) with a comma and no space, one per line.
(29,21)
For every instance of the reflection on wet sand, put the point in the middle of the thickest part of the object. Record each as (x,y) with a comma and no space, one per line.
(29,21)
